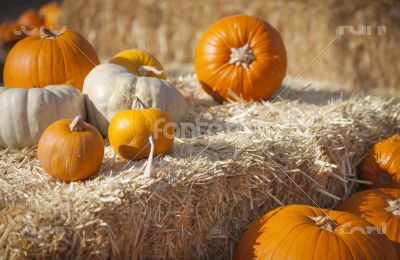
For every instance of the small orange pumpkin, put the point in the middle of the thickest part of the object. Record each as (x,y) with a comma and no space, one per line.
(380,207)
(304,232)
(7,34)
(243,54)
(50,13)
(30,18)
(28,23)
(71,150)
(381,166)
(52,58)
(131,132)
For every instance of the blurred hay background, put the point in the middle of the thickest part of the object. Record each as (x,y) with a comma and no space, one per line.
(170,30)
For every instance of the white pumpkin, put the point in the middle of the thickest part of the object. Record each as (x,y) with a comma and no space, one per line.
(110,88)
(26,113)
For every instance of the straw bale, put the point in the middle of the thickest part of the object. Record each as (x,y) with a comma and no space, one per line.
(302,148)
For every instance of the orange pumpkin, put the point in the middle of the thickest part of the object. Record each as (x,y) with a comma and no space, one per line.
(242,54)
(140,62)
(7,34)
(30,18)
(52,58)
(380,207)
(28,23)
(131,132)
(304,232)
(50,13)
(71,150)
(381,166)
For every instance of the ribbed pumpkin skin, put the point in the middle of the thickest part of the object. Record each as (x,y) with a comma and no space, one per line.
(70,155)
(133,59)
(264,74)
(289,233)
(65,59)
(372,205)
(28,112)
(129,132)
(382,164)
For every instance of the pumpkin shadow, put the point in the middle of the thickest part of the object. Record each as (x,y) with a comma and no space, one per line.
(94,116)
(250,241)
(113,166)
(3,55)
(310,95)
(212,150)
(303,94)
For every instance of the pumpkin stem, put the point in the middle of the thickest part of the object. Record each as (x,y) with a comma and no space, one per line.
(394,207)
(147,170)
(384,179)
(46,33)
(242,56)
(325,222)
(146,70)
(138,104)
(77,124)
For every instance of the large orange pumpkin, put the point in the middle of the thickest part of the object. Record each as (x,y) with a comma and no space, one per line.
(382,164)
(380,207)
(51,58)
(305,232)
(71,150)
(243,54)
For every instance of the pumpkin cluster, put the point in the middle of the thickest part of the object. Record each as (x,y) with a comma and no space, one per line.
(58,75)
(379,204)
(365,226)
(74,102)
(29,23)
(305,232)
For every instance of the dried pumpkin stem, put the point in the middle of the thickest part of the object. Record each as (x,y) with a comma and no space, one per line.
(147,170)
(324,222)
(77,124)
(46,33)
(138,104)
(242,56)
(146,70)
(385,179)
(394,207)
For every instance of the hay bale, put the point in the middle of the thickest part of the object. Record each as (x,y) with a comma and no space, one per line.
(207,190)
(171,30)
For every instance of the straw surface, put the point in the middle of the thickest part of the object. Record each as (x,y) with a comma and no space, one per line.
(302,148)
